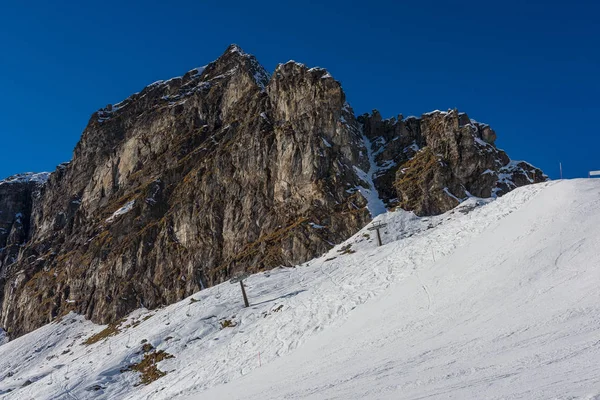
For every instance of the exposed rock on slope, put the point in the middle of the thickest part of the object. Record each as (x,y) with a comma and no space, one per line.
(225,169)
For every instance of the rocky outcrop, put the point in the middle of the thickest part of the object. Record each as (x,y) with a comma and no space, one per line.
(222,170)
(430,164)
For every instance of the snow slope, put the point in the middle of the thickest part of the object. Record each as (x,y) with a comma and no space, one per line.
(495,299)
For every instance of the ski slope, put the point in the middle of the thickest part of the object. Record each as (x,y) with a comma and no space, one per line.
(494,299)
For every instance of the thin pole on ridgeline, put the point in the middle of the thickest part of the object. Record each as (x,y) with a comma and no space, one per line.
(560,165)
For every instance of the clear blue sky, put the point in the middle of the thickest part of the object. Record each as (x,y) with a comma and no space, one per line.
(529,68)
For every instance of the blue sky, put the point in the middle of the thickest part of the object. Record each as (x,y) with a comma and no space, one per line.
(528,68)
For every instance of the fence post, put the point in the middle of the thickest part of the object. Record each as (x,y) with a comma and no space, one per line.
(240,278)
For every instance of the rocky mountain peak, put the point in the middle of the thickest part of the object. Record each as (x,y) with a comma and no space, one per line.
(221,170)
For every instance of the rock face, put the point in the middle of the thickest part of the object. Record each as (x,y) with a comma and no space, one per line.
(17,196)
(225,169)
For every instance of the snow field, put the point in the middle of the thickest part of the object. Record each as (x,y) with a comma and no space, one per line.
(494,298)
(513,314)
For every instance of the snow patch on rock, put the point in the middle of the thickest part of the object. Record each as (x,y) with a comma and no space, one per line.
(121,211)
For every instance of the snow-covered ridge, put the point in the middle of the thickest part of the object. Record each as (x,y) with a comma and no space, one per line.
(27,177)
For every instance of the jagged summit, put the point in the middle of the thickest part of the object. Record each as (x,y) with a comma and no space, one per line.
(234,59)
(234,48)
(232,62)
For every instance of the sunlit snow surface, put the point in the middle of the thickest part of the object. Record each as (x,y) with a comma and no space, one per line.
(495,299)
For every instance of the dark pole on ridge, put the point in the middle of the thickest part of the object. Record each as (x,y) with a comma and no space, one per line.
(240,278)
(246,304)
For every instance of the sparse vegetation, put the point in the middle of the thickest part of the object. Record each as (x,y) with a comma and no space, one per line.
(147,347)
(228,324)
(347,249)
(268,245)
(415,176)
(148,368)
(110,330)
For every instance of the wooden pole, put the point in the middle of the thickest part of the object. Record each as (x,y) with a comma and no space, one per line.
(378,238)
(246,304)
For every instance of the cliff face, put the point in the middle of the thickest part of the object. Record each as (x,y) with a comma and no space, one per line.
(17,196)
(225,169)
